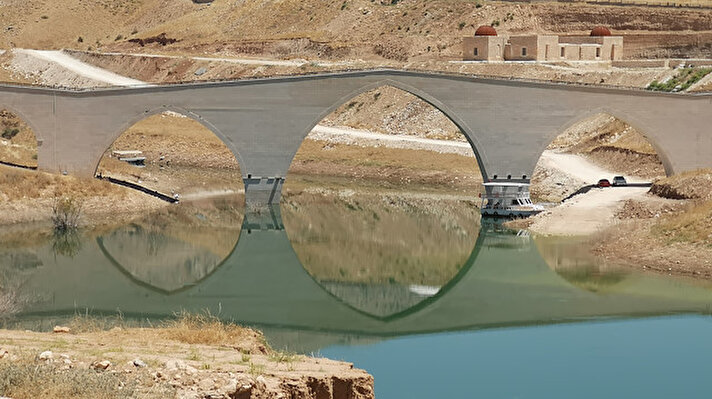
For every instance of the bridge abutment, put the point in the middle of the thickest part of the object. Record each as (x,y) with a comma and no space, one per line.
(260,191)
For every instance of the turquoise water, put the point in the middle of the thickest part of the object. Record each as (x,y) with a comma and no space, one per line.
(663,357)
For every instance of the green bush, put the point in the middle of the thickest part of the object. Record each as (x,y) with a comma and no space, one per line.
(9,133)
(682,81)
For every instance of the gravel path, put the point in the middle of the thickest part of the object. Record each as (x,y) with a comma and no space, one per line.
(585,214)
(245,61)
(343,135)
(81,68)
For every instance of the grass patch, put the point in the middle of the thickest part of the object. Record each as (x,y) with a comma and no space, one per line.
(283,357)
(682,81)
(32,380)
(694,225)
(256,369)
(87,323)
(207,329)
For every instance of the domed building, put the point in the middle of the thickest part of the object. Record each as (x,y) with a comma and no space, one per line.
(600,31)
(486,30)
(487,45)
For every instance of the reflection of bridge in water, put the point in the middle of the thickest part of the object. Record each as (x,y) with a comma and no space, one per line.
(505,282)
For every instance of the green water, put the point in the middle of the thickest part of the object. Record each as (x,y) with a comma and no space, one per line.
(421,293)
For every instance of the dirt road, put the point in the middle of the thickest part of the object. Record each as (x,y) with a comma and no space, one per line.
(585,214)
(245,61)
(580,168)
(81,68)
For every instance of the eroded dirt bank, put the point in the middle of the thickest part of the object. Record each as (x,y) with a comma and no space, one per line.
(192,358)
(666,229)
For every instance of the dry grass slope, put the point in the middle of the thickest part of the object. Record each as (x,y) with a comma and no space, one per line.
(30,380)
(406,30)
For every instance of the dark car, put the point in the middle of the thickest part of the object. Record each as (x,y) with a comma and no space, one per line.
(604,183)
(619,181)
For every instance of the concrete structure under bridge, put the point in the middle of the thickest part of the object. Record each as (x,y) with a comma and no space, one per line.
(264,121)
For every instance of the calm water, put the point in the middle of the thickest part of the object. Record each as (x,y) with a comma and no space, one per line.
(418,292)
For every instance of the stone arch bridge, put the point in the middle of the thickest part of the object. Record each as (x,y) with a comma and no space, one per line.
(509,123)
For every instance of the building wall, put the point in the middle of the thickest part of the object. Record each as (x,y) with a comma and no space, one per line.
(581,39)
(543,48)
(489,48)
(518,43)
(571,52)
(612,48)
(587,52)
(548,48)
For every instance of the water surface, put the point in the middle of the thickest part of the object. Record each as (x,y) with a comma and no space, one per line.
(415,289)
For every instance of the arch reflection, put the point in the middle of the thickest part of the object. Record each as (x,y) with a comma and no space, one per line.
(178,246)
(381,255)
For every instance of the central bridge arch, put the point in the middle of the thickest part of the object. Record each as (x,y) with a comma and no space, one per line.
(437,104)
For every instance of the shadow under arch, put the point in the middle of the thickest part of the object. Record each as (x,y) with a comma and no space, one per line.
(630,121)
(182,111)
(38,133)
(434,102)
(33,150)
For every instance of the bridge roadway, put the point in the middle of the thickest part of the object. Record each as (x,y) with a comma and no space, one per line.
(505,282)
(263,121)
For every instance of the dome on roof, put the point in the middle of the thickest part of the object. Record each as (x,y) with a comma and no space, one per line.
(485,30)
(600,31)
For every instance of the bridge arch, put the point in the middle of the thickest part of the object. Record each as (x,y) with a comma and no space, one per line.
(134,119)
(623,117)
(468,132)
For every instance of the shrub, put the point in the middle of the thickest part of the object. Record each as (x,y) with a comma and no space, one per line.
(66,212)
(9,133)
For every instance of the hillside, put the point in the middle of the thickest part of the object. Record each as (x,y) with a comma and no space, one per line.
(408,30)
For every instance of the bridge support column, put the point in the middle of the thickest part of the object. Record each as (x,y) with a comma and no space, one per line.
(261,191)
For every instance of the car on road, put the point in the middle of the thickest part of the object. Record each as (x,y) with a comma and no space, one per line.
(604,183)
(619,181)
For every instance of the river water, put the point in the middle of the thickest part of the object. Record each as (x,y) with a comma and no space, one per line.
(416,289)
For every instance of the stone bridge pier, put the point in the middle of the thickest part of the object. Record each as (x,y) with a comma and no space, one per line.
(264,121)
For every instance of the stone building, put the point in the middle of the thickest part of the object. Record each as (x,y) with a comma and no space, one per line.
(486,45)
